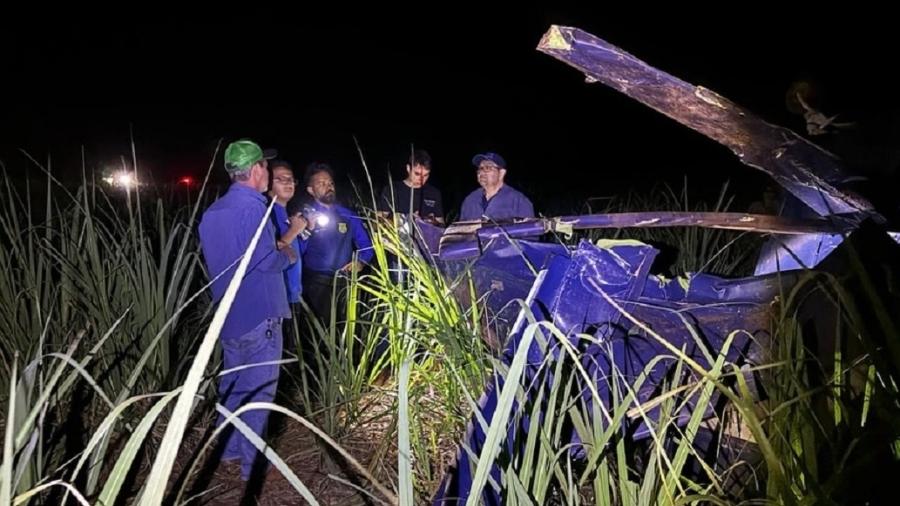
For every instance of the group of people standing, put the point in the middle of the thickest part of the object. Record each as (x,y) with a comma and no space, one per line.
(310,243)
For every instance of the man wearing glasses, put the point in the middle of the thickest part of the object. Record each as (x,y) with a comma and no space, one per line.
(494,200)
(289,224)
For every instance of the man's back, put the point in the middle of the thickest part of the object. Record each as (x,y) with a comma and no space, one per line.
(226,229)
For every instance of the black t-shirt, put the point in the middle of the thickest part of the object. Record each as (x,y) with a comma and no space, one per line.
(425,200)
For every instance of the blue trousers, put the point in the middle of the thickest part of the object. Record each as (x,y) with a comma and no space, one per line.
(256,384)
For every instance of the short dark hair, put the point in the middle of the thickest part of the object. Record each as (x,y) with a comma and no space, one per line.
(315,168)
(274,164)
(420,157)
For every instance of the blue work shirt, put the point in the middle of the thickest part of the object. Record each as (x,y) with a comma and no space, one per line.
(505,204)
(330,247)
(226,229)
(293,275)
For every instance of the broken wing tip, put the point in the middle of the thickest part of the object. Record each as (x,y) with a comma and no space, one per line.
(556,39)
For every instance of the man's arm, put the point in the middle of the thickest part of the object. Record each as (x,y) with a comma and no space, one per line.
(384,204)
(297,225)
(361,241)
(525,207)
(438,207)
(470,210)
(385,199)
(266,257)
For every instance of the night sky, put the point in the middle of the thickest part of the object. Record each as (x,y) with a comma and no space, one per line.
(455,81)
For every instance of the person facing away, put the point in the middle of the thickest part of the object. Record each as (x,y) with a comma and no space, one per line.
(251,333)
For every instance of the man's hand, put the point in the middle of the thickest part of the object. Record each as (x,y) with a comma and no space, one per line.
(298,224)
(352,267)
(312,220)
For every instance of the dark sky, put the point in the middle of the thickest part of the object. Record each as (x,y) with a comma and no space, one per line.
(455,80)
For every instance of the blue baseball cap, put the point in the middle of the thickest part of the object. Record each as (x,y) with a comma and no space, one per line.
(489,157)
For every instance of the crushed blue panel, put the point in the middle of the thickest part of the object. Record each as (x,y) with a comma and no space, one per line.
(503,274)
(788,253)
(429,238)
(578,289)
(568,290)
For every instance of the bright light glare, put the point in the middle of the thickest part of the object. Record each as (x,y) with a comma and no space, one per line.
(125,180)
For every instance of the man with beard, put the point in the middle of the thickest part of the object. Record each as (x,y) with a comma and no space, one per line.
(337,245)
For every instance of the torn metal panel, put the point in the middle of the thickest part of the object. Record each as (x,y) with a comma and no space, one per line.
(726,221)
(781,254)
(702,288)
(578,292)
(429,237)
(562,296)
(502,272)
(802,168)
(467,239)
(587,290)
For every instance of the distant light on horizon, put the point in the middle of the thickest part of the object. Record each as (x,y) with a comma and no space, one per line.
(125,179)
(121,179)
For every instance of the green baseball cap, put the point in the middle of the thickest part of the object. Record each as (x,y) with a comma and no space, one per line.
(241,155)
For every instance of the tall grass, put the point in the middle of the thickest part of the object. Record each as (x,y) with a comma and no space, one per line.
(833,406)
(104,298)
(115,270)
(417,342)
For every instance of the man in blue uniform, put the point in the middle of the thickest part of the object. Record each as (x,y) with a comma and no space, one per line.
(252,330)
(337,244)
(282,190)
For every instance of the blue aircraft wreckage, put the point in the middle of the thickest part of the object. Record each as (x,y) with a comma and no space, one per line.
(588,289)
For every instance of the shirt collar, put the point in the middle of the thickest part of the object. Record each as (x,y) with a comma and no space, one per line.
(247,191)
